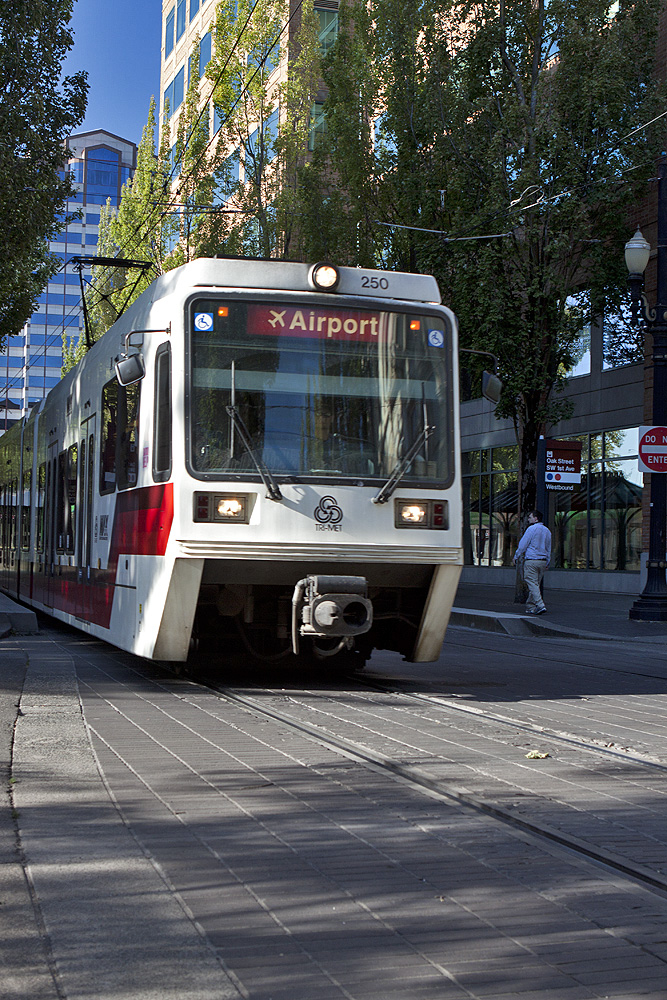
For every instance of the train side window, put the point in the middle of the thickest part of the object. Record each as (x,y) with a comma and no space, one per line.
(41,492)
(108,437)
(82,502)
(89,498)
(25,512)
(162,416)
(14,494)
(70,498)
(127,464)
(61,502)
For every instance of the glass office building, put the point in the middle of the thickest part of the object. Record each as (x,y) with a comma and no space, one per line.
(32,362)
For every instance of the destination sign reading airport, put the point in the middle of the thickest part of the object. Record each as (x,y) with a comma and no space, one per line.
(653,449)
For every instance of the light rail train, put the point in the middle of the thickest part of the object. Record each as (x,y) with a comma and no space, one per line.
(257,456)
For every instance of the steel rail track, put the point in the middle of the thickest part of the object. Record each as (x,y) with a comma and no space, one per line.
(437,701)
(413,777)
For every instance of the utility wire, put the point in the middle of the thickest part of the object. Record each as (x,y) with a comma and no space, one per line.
(172,176)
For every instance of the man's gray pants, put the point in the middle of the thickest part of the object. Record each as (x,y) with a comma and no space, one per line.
(533,571)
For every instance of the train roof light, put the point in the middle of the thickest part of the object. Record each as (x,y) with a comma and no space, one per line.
(324,277)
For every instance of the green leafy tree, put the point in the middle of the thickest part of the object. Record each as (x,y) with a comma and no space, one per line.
(474,119)
(264,125)
(38,111)
(193,186)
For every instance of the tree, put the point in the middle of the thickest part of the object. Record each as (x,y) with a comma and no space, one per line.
(505,126)
(37,114)
(264,124)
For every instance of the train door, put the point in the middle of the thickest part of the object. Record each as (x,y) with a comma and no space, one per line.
(85,509)
(50,541)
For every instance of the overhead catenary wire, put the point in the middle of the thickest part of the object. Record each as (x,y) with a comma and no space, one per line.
(516,204)
(167,208)
(18,377)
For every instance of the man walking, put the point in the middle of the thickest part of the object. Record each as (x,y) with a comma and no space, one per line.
(535,547)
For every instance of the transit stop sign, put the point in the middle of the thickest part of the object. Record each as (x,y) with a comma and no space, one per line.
(562,464)
(652,449)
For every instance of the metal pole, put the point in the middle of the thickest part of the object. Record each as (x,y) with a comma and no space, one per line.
(651,605)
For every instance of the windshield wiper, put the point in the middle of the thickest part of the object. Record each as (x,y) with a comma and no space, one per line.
(272,488)
(402,466)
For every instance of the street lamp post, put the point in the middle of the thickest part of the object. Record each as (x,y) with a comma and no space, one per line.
(651,605)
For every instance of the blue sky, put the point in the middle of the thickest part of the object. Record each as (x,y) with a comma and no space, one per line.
(118,43)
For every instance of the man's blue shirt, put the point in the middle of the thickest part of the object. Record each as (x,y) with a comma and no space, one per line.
(535,543)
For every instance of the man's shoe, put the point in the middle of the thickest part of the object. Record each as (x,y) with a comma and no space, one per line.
(537,611)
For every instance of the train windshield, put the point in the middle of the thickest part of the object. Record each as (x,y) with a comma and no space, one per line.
(318,392)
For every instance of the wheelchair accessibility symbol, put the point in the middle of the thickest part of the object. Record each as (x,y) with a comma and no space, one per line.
(203,321)
(436,338)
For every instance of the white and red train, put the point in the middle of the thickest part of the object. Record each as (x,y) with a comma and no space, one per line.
(257,455)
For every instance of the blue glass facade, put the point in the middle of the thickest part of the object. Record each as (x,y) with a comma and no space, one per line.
(32,362)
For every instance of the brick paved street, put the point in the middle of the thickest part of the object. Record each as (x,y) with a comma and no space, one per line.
(225,854)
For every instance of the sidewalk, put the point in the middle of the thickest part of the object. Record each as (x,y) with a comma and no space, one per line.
(16,618)
(570,613)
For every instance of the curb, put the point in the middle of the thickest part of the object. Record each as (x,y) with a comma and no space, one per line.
(5,626)
(522,625)
(16,618)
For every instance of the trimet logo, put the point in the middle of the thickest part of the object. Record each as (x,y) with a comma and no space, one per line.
(328,515)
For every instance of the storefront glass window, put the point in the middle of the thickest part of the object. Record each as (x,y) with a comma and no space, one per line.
(595,526)
(570,528)
(490,503)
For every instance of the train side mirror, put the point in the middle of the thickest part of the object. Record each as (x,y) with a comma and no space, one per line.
(491,387)
(130,369)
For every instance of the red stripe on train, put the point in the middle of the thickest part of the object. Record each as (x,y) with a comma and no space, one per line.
(141,526)
(142,522)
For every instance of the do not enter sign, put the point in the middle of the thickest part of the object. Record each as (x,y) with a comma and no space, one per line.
(653,449)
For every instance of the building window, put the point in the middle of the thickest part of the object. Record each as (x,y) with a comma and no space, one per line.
(578,311)
(318,126)
(204,58)
(180,19)
(328,28)
(227,178)
(204,53)
(598,525)
(173,95)
(169,33)
(102,176)
(490,503)
(622,343)
(194,7)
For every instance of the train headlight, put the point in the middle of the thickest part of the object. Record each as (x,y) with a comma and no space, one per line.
(412,513)
(324,277)
(421,514)
(231,509)
(222,507)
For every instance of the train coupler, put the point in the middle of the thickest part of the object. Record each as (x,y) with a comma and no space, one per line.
(332,606)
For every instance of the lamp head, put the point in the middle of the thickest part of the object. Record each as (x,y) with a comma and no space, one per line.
(637,253)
